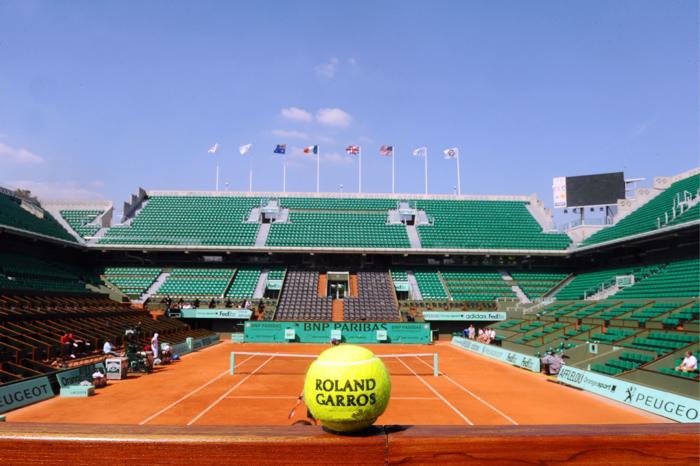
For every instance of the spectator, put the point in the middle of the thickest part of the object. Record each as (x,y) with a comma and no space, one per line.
(154,345)
(108,349)
(546,361)
(471,331)
(480,336)
(492,335)
(689,364)
(66,346)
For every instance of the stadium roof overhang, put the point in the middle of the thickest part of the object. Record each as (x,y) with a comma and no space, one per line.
(38,236)
(662,233)
(322,250)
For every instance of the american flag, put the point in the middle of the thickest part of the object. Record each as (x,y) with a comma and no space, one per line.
(386,151)
(352,150)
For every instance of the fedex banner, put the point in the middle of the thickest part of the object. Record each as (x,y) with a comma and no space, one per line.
(530,363)
(676,407)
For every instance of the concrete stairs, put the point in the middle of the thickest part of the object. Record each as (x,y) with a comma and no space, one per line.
(337,310)
(556,289)
(522,297)
(604,293)
(322,285)
(260,287)
(415,290)
(153,289)
(413,237)
(263,231)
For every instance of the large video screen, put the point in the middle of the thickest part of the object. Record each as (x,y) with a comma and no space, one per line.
(602,189)
(589,190)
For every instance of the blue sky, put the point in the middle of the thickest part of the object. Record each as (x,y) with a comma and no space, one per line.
(98,98)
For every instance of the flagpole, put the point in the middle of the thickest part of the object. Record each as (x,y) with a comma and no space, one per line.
(393,170)
(426,170)
(459,182)
(217,173)
(318,168)
(359,169)
(284,173)
(250,175)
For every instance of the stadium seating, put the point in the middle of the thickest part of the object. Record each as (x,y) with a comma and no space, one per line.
(30,329)
(646,217)
(79,221)
(484,225)
(476,284)
(299,299)
(537,283)
(14,215)
(588,283)
(244,282)
(338,229)
(626,362)
(132,281)
(25,273)
(673,371)
(430,283)
(189,220)
(376,301)
(683,315)
(196,283)
(677,280)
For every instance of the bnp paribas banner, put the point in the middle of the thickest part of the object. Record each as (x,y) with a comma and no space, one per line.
(676,407)
(525,361)
(473,316)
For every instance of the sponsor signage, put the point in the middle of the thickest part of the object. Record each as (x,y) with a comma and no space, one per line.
(525,361)
(382,335)
(402,286)
(274,285)
(289,334)
(215,313)
(78,374)
(465,316)
(669,405)
(16,395)
(349,332)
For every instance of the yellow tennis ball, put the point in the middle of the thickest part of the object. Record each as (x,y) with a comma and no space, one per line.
(347,388)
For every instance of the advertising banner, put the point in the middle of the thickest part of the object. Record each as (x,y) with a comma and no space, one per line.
(530,363)
(669,405)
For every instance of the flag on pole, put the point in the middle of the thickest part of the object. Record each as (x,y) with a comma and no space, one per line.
(311,150)
(421,152)
(386,151)
(280,149)
(352,150)
(244,149)
(214,149)
(451,153)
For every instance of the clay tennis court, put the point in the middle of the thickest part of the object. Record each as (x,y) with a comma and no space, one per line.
(199,390)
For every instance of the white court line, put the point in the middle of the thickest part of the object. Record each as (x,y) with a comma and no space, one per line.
(436,392)
(189,394)
(296,397)
(229,391)
(473,394)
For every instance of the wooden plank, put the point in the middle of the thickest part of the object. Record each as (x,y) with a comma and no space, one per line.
(648,444)
(52,444)
(56,444)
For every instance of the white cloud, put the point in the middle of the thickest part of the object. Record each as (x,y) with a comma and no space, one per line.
(290,134)
(324,139)
(18,155)
(296,114)
(55,190)
(352,61)
(336,158)
(327,70)
(334,117)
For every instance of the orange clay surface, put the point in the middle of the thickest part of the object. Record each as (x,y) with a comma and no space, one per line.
(198,390)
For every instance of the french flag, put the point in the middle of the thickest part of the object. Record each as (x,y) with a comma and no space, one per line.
(311,150)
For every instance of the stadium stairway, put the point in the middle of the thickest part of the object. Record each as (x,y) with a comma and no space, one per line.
(415,289)
(262,283)
(522,297)
(413,237)
(261,238)
(337,310)
(153,289)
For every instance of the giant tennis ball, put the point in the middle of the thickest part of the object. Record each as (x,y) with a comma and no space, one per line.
(347,388)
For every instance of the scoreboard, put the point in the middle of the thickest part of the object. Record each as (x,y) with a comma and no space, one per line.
(588,190)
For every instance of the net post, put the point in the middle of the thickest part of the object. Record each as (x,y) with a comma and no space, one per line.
(233,362)
(436,370)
